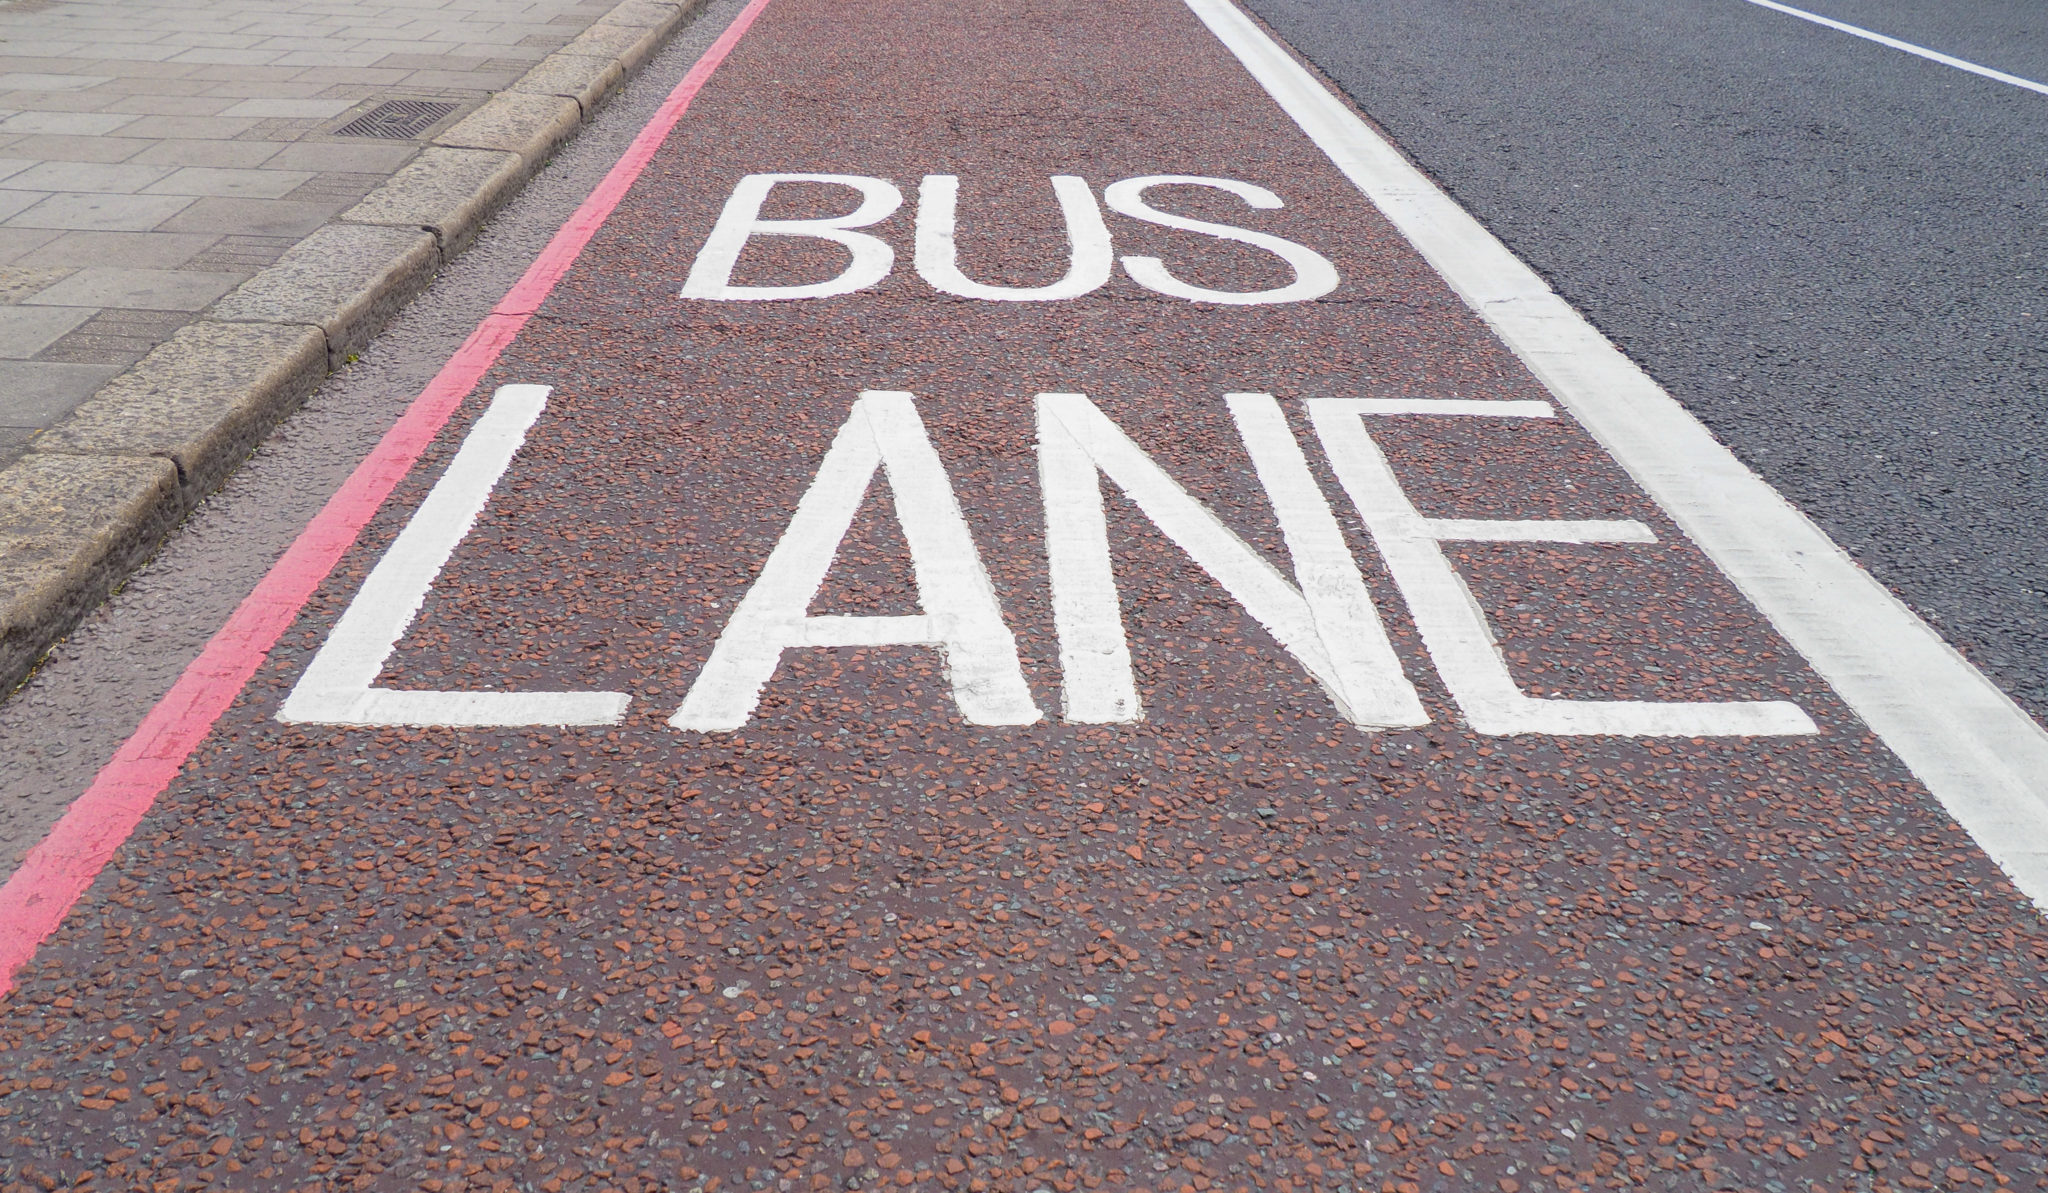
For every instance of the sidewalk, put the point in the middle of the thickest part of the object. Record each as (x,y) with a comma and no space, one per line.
(154,159)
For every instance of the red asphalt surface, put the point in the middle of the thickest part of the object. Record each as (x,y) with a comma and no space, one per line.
(861,942)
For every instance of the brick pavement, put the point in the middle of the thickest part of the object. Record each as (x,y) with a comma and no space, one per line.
(154,157)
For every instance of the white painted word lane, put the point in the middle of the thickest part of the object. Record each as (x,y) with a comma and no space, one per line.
(1324,618)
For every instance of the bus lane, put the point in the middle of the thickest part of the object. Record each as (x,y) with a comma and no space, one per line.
(1002,629)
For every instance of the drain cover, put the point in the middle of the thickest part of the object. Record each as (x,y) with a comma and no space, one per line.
(397,119)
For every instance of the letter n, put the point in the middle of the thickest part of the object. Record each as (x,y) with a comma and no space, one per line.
(1328,623)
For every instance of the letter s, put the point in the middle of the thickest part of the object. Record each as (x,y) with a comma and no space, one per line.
(1314,276)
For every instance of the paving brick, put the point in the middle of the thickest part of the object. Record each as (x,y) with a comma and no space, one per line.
(18,282)
(141,250)
(16,243)
(234,253)
(12,202)
(53,102)
(116,337)
(140,65)
(205,39)
(209,54)
(362,157)
(35,394)
(215,180)
(271,217)
(319,109)
(158,127)
(16,80)
(74,124)
(347,63)
(227,154)
(156,289)
(127,213)
(25,331)
(154,87)
(407,54)
(109,177)
(76,149)
(336,187)
(170,105)
(333,73)
(495,78)
(128,55)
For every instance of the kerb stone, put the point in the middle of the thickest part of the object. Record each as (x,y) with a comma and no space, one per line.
(581,77)
(202,399)
(449,192)
(346,279)
(71,527)
(532,126)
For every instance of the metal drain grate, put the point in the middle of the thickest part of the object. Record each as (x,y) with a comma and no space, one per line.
(397,119)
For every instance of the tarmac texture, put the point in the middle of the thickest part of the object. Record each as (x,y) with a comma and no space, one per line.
(1827,249)
(861,941)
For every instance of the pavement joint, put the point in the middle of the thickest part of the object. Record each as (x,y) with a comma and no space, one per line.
(93,495)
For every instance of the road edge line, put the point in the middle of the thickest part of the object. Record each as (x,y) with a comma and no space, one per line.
(57,872)
(1918,51)
(1968,742)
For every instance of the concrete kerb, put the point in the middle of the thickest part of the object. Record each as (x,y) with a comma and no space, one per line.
(202,399)
(346,279)
(95,495)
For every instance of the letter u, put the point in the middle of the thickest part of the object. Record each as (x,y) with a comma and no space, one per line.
(938,198)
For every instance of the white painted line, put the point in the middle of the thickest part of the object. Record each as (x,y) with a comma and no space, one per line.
(1448,407)
(335,689)
(1505,530)
(1314,276)
(872,258)
(1907,46)
(1974,749)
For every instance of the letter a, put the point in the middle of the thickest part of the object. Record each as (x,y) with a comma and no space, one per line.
(961,616)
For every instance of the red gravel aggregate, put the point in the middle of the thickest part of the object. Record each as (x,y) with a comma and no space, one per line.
(861,943)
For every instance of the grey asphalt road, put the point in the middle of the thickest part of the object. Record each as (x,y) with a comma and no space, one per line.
(1831,251)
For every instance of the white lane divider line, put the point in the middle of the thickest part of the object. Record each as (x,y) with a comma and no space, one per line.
(1507,530)
(1973,748)
(1896,44)
(335,689)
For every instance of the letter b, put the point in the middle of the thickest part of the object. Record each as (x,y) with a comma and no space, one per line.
(711,274)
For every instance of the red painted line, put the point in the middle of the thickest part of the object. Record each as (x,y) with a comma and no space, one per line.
(57,871)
